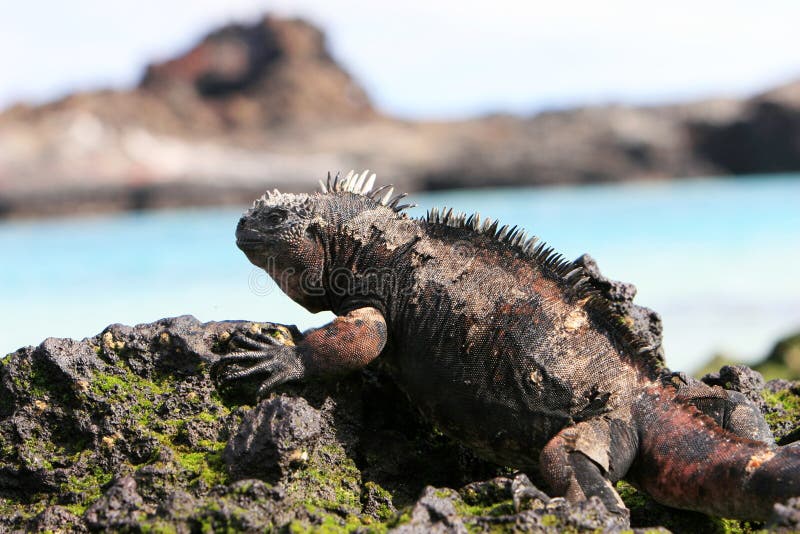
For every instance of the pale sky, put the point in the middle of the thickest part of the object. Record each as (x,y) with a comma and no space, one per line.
(444,58)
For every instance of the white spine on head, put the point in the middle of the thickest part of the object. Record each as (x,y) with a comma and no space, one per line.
(355,183)
(363,184)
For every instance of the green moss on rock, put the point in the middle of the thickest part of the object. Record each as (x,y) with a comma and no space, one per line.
(786,403)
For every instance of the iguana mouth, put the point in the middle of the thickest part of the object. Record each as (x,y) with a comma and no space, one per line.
(248,242)
(247,238)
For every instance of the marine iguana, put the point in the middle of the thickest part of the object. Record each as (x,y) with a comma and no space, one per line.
(505,346)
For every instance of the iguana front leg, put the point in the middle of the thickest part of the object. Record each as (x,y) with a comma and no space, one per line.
(347,343)
(585,459)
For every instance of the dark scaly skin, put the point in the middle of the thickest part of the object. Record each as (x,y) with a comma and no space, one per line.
(507,349)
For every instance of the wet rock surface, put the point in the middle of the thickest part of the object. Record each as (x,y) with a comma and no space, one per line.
(125,431)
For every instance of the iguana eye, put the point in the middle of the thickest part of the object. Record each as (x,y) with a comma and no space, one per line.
(276,217)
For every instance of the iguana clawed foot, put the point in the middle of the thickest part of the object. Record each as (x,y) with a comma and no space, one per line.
(272,354)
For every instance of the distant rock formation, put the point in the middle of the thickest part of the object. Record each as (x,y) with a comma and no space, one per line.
(259,106)
(272,72)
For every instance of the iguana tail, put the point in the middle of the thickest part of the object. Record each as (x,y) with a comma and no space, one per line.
(688,461)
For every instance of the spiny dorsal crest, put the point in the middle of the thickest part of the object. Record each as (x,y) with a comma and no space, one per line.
(571,275)
(514,236)
(362,184)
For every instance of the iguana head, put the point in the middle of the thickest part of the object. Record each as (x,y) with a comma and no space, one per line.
(291,236)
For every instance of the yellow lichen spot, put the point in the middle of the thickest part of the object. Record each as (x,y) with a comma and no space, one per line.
(82,386)
(255,328)
(298,456)
(164,338)
(191,396)
(758,459)
(224,336)
(110,343)
(626,321)
(108,339)
(108,442)
(282,334)
(40,406)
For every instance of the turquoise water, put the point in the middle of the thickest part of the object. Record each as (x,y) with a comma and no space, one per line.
(719,259)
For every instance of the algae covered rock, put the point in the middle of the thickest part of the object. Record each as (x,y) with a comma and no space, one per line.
(125,431)
(118,507)
(96,433)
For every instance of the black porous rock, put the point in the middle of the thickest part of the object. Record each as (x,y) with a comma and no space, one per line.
(645,322)
(526,496)
(786,516)
(118,507)
(125,431)
(434,512)
(274,435)
(54,519)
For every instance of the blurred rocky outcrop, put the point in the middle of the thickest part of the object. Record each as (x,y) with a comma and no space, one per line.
(764,137)
(782,361)
(272,72)
(264,105)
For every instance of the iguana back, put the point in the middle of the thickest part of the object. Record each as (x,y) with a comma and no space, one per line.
(499,340)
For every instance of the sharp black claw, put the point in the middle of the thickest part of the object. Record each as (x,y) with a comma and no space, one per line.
(256,354)
(256,342)
(266,339)
(219,365)
(265,362)
(270,383)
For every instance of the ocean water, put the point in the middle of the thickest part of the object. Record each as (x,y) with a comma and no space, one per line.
(718,259)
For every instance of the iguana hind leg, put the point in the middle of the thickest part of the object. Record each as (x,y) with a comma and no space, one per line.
(732,410)
(585,459)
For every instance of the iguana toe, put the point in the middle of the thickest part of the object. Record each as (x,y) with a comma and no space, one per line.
(279,363)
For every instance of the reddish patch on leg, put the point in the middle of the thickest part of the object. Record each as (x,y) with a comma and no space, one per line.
(348,342)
